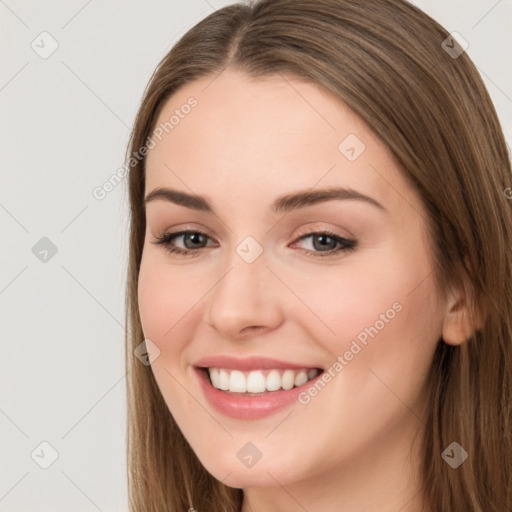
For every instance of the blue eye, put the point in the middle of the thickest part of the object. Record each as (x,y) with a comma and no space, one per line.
(194,241)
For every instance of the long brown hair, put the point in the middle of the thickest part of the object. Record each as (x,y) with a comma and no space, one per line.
(386,60)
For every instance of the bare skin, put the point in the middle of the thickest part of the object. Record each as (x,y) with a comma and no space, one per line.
(246,143)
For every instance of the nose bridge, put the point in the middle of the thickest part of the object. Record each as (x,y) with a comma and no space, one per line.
(242,297)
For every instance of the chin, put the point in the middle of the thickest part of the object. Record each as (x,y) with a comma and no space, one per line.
(229,468)
(243,478)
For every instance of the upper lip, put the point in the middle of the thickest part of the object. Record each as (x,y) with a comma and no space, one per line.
(248,363)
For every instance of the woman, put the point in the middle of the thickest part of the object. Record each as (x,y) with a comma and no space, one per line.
(319,268)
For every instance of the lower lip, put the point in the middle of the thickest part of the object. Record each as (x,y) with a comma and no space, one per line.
(249,407)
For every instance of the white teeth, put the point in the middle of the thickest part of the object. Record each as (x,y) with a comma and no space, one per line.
(214,376)
(237,382)
(223,380)
(312,373)
(255,381)
(288,379)
(301,378)
(273,381)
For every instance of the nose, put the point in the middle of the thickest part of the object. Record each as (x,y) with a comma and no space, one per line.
(245,301)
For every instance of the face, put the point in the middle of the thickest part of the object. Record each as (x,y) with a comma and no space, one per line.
(291,336)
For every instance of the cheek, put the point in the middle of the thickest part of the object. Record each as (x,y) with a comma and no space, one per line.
(164,300)
(165,308)
(347,300)
(386,325)
(387,305)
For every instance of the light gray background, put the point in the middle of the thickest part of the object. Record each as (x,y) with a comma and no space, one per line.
(64,128)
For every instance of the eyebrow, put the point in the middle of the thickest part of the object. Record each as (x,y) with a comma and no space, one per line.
(284,203)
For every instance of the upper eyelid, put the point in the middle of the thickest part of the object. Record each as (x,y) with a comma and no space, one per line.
(187,227)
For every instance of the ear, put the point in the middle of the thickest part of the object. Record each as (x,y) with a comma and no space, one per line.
(459,324)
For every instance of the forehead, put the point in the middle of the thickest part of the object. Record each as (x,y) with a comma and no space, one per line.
(259,137)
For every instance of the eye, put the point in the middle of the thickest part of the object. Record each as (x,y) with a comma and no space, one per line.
(324,243)
(327,243)
(193,241)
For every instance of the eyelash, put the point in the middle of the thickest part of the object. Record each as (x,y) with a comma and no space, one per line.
(345,243)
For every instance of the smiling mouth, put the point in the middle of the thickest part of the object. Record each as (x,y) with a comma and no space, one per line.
(258,382)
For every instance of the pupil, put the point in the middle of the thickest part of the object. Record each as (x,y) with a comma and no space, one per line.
(322,239)
(195,238)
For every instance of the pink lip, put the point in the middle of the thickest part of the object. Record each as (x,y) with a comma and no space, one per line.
(247,364)
(249,407)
